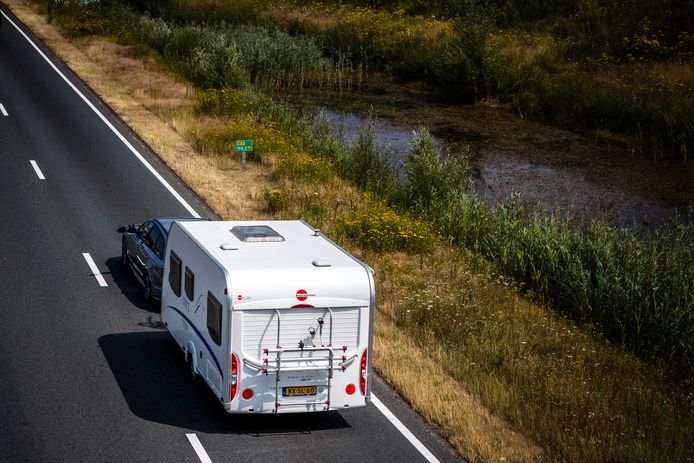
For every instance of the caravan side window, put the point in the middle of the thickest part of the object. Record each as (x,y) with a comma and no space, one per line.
(175,273)
(189,283)
(214,318)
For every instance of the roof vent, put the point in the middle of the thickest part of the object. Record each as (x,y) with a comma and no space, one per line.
(256,234)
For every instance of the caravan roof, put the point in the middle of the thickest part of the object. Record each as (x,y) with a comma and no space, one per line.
(301,259)
(300,246)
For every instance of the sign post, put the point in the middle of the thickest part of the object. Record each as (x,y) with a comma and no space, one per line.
(244,146)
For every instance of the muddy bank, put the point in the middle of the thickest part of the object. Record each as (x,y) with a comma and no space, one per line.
(574,173)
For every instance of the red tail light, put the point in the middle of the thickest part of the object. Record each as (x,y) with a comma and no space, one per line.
(234,386)
(362,373)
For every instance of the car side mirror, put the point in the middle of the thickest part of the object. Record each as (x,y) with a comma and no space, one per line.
(121,230)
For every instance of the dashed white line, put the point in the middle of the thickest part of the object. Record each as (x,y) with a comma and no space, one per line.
(404,431)
(37,170)
(194,441)
(199,449)
(94,269)
(3,110)
(120,136)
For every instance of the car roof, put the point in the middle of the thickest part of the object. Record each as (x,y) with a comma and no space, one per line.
(166,222)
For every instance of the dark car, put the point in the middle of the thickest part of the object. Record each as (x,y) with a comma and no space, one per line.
(143,252)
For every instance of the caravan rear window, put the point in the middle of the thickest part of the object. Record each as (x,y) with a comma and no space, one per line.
(175,273)
(214,318)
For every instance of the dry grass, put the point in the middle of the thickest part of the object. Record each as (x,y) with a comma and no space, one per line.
(511,374)
(462,417)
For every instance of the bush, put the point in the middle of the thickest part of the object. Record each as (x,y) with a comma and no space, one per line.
(367,164)
(277,200)
(466,70)
(430,180)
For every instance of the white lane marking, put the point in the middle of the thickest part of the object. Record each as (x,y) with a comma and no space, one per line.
(192,437)
(37,170)
(199,449)
(404,431)
(120,136)
(3,110)
(94,268)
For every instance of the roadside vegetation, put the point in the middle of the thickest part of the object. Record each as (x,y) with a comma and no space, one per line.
(623,67)
(638,290)
(456,278)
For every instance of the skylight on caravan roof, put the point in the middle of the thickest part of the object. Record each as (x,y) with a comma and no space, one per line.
(256,234)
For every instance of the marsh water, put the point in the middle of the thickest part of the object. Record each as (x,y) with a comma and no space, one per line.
(576,175)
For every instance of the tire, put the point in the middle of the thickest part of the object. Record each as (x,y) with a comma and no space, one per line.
(148,291)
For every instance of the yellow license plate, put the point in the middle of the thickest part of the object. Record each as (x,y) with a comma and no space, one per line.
(299,390)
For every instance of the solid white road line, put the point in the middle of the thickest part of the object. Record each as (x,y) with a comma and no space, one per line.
(37,170)
(199,449)
(94,269)
(120,136)
(204,458)
(3,110)
(404,431)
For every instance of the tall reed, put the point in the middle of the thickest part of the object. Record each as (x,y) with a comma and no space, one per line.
(229,55)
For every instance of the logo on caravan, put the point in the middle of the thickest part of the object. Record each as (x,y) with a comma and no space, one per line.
(302,295)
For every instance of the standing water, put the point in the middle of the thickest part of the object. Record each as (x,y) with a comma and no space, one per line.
(569,184)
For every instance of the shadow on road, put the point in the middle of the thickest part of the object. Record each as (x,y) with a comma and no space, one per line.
(128,285)
(150,372)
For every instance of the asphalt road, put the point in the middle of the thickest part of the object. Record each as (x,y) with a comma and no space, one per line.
(86,372)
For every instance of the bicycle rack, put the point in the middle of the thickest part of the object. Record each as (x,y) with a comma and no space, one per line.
(329,357)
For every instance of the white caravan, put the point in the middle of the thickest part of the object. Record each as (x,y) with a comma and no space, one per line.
(273,315)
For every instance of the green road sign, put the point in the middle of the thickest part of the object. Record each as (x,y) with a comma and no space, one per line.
(244,145)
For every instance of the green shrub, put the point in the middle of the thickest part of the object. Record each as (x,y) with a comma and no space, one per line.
(466,70)
(277,200)
(430,180)
(367,164)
